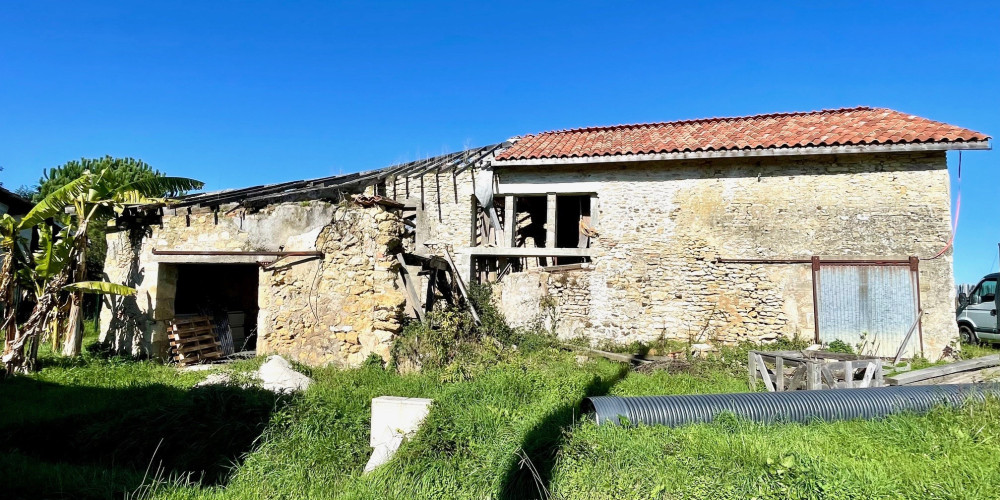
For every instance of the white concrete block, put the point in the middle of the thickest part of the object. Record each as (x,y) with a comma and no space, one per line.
(393,420)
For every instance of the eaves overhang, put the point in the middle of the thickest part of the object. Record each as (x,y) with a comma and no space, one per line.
(751,153)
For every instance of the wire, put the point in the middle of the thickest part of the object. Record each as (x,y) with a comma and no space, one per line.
(958,208)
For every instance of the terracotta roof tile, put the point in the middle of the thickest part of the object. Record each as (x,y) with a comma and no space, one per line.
(833,127)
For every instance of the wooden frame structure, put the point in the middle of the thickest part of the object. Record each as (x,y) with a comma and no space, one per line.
(812,370)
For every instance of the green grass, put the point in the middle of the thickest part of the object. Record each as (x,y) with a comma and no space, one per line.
(88,428)
(970,351)
(946,454)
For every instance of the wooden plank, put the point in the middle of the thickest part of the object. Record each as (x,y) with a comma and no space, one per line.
(190,326)
(188,332)
(189,349)
(906,340)
(614,356)
(195,354)
(190,335)
(183,341)
(509,221)
(550,220)
(411,292)
(827,373)
(848,374)
(813,377)
(970,377)
(752,369)
(461,286)
(526,252)
(762,368)
(199,343)
(779,374)
(189,329)
(866,380)
(915,376)
(191,320)
(788,356)
(188,359)
(798,378)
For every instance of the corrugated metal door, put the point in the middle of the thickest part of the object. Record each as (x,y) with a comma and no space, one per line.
(870,304)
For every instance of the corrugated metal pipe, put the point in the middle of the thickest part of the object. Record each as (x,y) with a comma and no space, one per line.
(791,406)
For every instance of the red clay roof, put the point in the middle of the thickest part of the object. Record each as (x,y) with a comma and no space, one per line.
(832,127)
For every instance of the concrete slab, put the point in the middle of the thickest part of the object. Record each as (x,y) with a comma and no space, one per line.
(393,420)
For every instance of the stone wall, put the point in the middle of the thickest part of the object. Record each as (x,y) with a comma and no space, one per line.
(446,206)
(338,309)
(662,225)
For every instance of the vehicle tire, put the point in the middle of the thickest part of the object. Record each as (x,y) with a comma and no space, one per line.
(966,334)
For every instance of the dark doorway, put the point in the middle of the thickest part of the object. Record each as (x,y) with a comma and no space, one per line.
(225,292)
(572,213)
(570,210)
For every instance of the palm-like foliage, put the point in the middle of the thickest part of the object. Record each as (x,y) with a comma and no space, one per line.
(54,205)
(97,196)
(52,256)
(90,197)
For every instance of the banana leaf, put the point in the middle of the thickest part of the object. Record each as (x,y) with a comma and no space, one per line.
(157,187)
(100,287)
(56,203)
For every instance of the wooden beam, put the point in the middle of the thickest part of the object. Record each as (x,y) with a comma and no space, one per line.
(461,286)
(614,356)
(526,252)
(550,220)
(509,221)
(762,368)
(779,374)
(942,370)
(412,299)
(906,339)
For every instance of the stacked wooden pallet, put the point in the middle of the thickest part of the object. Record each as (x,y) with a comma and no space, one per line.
(192,340)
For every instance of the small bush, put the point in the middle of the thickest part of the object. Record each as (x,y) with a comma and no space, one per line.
(840,346)
(492,320)
(449,339)
(435,341)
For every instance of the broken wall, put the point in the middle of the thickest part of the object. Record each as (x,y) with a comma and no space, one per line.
(338,308)
(445,213)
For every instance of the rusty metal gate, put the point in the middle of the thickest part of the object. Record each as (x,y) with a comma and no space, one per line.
(873,304)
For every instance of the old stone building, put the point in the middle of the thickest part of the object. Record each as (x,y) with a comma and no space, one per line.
(313,270)
(824,225)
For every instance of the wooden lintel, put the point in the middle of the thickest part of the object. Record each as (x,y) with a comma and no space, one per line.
(526,252)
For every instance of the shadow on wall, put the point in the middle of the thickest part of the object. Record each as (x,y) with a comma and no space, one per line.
(127,324)
(529,475)
(68,441)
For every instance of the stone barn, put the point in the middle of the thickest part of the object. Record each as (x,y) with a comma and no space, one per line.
(315,270)
(828,225)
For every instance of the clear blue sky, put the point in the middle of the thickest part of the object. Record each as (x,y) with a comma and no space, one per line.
(243,93)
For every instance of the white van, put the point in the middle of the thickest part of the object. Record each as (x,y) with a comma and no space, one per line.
(977,312)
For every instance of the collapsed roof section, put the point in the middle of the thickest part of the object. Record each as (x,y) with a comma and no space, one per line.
(335,187)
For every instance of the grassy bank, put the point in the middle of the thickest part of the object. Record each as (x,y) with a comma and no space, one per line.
(91,428)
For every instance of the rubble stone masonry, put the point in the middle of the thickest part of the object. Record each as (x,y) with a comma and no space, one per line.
(337,309)
(663,224)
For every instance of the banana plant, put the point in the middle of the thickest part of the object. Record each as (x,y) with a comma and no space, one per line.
(88,198)
(12,260)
